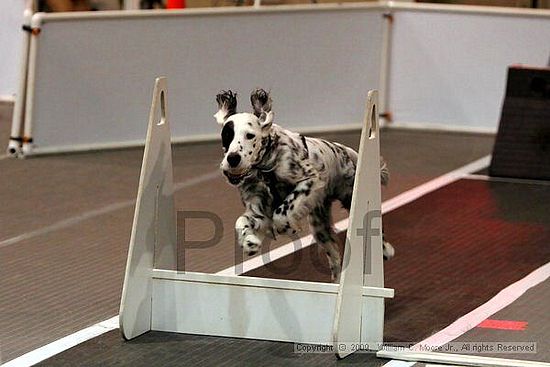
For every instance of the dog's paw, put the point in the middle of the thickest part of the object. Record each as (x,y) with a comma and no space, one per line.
(282,224)
(251,244)
(388,250)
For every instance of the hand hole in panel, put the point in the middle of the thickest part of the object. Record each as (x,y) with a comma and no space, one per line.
(373,123)
(162,109)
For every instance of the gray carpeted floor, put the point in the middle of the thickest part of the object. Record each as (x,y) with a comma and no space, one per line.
(66,219)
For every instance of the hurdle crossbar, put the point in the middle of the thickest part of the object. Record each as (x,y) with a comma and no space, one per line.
(156,296)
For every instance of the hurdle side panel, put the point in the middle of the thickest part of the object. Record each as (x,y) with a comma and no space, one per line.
(369,190)
(363,249)
(153,238)
(372,325)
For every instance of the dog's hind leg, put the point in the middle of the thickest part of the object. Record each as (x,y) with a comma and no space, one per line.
(321,225)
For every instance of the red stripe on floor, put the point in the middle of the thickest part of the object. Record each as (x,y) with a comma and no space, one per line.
(503,324)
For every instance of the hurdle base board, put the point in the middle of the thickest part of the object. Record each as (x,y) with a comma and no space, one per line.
(457,359)
(257,308)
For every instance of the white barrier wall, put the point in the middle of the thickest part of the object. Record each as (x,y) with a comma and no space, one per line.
(440,66)
(449,65)
(11,42)
(93,71)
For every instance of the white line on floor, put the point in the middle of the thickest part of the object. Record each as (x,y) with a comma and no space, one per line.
(69,341)
(467,322)
(100,211)
(495,304)
(453,359)
(509,180)
(436,183)
(397,363)
(63,344)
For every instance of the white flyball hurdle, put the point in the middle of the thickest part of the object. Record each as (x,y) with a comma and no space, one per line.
(158,297)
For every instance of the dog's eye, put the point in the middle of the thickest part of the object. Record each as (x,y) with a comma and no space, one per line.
(250,136)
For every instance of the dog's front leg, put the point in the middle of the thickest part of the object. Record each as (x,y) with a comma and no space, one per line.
(299,202)
(254,224)
(251,232)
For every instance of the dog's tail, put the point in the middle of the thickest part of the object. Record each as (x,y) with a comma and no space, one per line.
(384,172)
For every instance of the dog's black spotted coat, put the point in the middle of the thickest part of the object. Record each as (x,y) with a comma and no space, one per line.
(284,176)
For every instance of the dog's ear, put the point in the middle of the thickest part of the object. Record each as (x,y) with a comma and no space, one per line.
(261,101)
(266,119)
(227,105)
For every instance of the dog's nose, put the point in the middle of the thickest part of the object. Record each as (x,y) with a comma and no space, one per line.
(233,159)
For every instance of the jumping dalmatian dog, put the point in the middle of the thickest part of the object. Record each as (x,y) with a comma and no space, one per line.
(283,177)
